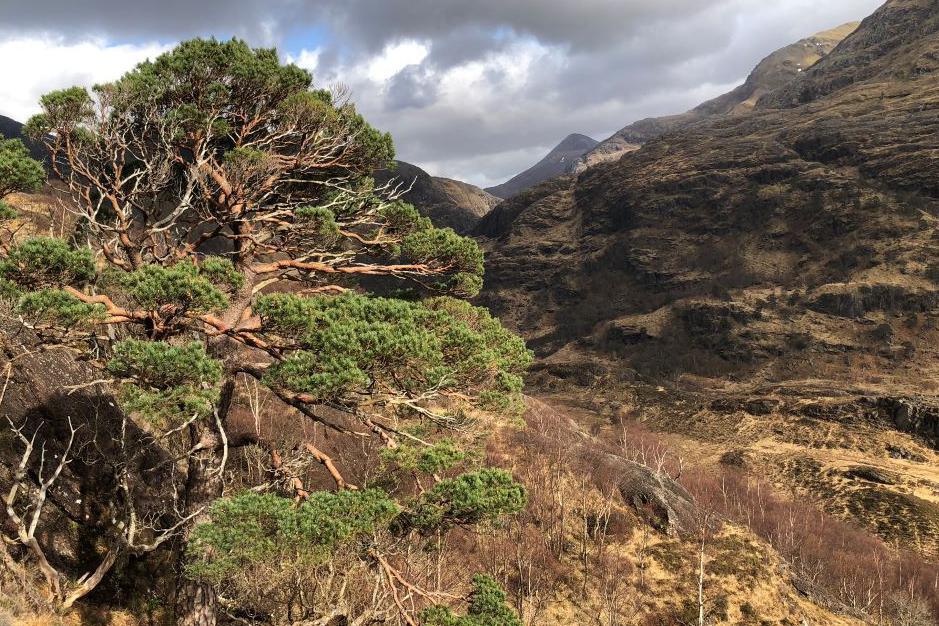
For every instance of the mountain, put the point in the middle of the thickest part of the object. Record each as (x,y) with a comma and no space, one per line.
(559,161)
(896,45)
(765,283)
(445,201)
(11,129)
(776,70)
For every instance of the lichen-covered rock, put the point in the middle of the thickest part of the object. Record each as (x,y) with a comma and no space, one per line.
(656,498)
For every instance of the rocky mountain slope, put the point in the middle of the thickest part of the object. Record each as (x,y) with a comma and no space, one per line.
(445,201)
(764,283)
(559,161)
(773,72)
(896,45)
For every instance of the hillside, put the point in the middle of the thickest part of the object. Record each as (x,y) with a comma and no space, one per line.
(560,160)
(895,45)
(776,70)
(11,129)
(763,284)
(445,201)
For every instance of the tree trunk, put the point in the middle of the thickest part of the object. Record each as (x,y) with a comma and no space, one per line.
(701,582)
(197,603)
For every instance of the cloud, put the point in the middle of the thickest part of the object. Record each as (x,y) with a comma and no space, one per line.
(394,58)
(414,87)
(34,66)
(128,20)
(470,90)
(486,104)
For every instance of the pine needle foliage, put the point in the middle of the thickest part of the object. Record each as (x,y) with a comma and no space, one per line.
(487,607)
(18,171)
(250,529)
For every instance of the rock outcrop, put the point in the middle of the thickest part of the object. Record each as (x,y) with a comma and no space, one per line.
(655,497)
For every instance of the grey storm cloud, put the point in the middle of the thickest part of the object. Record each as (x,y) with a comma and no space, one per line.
(586,23)
(593,65)
(412,87)
(166,19)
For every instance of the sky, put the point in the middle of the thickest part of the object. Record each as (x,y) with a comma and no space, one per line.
(476,90)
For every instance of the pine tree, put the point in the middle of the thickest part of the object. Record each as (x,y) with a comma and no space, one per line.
(18,173)
(487,607)
(228,227)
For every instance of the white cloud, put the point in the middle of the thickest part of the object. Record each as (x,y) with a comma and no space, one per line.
(394,58)
(480,97)
(33,66)
(307,59)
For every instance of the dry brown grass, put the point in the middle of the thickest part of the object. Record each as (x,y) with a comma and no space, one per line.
(840,565)
(580,555)
(848,564)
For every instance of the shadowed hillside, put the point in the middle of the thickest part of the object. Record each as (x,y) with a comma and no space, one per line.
(445,201)
(11,129)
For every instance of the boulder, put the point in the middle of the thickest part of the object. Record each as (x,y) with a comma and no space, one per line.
(871,475)
(657,499)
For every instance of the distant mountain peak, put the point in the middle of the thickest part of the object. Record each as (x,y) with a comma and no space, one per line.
(558,161)
(575,141)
